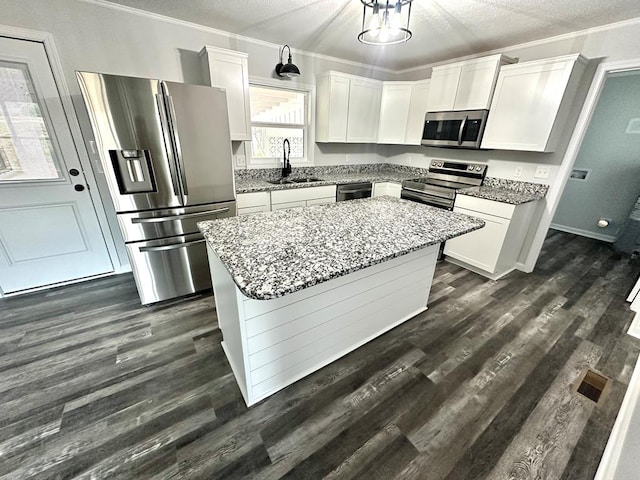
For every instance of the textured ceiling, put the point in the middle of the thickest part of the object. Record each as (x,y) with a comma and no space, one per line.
(442,29)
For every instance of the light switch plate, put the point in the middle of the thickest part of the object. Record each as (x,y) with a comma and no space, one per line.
(518,172)
(542,171)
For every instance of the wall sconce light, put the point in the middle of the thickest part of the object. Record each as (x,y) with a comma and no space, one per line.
(288,69)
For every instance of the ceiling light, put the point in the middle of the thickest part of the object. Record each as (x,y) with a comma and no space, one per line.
(385,22)
(288,69)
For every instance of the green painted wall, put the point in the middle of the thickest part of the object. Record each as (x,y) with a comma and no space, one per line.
(613,157)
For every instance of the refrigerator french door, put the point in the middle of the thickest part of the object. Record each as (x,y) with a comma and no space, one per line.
(165,150)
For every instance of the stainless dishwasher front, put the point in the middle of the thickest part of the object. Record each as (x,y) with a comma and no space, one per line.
(351,191)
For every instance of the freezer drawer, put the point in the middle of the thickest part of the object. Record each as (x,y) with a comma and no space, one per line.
(154,224)
(169,267)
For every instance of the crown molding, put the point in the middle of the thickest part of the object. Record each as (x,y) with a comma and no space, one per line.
(533,43)
(225,34)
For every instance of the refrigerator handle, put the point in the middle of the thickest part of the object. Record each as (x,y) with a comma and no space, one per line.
(166,128)
(176,142)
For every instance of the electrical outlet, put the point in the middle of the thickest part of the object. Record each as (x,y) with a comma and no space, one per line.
(518,172)
(241,161)
(542,171)
(409,160)
(347,158)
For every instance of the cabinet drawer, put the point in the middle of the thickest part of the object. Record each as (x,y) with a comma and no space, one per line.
(282,206)
(490,207)
(321,201)
(254,199)
(298,194)
(250,210)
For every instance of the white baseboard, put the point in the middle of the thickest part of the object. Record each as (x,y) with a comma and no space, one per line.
(584,233)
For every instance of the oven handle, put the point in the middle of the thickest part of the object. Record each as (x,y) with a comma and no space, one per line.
(357,190)
(462,125)
(162,248)
(423,199)
(178,217)
(421,192)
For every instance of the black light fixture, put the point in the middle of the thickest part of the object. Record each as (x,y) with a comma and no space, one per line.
(288,70)
(385,22)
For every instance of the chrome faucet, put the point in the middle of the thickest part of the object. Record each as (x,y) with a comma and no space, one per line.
(286,153)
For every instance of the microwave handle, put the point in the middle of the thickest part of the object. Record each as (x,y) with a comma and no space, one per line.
(460,132)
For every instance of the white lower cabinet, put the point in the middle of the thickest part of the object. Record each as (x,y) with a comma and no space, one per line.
(253,202)
(302,197)
(493,250)
(386,188)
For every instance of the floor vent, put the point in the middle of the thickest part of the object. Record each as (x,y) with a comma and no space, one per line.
(592,385)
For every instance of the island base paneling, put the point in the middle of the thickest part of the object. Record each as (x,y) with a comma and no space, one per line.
(270,344)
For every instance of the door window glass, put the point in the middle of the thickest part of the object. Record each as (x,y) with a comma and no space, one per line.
(26,150)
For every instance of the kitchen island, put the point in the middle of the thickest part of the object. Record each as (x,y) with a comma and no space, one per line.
(296,289)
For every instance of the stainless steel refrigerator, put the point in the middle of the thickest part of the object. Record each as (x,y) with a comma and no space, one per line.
(165,150)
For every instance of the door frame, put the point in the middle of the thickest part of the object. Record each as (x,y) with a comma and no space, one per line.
(48,42)
(571,154)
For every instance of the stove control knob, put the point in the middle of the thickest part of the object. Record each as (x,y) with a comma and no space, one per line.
(470,167)
(439,164)
(478,168)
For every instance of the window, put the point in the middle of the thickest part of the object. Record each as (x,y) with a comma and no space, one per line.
(276,114)
(26,151)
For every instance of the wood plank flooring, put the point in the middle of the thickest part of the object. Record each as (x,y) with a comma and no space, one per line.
(95,386)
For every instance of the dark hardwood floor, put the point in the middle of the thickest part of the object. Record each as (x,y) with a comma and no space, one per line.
(93,385)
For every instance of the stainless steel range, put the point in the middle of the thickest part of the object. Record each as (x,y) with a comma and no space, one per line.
(443,178)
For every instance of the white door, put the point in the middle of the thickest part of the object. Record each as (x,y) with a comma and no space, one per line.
(49,231)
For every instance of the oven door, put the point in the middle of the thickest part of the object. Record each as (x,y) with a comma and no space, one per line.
(427,199)
(462,129)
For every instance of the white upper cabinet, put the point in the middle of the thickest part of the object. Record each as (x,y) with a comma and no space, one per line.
(531,104)
(402,111)
(229,70)
(364,110)
(394,112)
(466,85)
(347,108)
(417,111)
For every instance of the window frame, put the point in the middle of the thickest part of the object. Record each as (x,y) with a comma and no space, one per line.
(307,127)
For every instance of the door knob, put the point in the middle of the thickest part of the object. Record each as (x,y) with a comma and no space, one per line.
(78,188)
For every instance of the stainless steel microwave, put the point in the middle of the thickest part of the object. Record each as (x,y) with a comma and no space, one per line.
(462,129)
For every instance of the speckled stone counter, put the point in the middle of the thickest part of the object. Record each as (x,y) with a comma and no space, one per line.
(507,191)
(273,254)
(256,180)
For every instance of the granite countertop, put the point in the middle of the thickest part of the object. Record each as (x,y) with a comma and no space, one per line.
(507,191)
(273,254)
(246,185)
(256,180)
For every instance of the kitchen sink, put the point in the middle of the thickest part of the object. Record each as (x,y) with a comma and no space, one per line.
(288,181)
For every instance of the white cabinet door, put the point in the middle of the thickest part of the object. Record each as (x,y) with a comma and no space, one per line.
(532,100)
(394,112)
(444,85)
(282,206)
(480,248)
(321,201)
(364,110)
(332,107)
(476,84)
(253,202)
(417,111)
(386,188)
(229,70)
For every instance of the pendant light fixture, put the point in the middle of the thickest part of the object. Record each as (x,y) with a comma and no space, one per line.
(385,22)
(288,69)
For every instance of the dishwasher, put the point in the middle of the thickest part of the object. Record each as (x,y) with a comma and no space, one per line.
(351,191)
